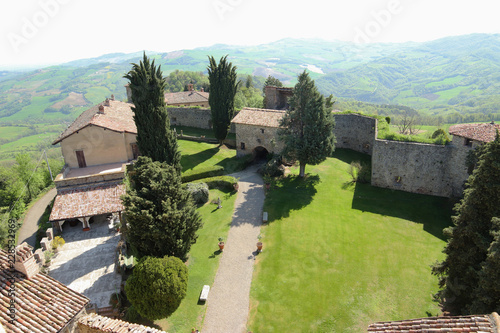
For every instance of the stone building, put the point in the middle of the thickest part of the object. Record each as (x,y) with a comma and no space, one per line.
(257,131)
(188,98)
(277,97)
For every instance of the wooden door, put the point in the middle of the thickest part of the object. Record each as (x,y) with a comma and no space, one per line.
(81,159)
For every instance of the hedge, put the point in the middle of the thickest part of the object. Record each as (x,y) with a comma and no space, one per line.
(202,172)
(223,183)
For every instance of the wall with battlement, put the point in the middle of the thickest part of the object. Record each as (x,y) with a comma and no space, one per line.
(355,132)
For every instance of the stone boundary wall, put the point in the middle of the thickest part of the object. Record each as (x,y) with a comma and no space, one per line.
(411,167)
(356,132)
(191,117)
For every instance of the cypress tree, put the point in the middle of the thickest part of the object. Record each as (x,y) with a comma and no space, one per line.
(307,127)
(154,136)
(471,237)
(223,88)
(161,213)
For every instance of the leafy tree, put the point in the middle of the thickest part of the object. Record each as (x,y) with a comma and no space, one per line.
(154,136)
(307,127)
(178,80)
(157,286)
(248,97)
(223,88)
(249,82)
(29,175)
(464,275)
(162,216)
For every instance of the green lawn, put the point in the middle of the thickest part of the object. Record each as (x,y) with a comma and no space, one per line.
(202,264)
(197,154)
(339,256)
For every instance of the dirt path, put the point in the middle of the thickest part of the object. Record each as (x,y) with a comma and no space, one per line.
(229,299)
(27,233)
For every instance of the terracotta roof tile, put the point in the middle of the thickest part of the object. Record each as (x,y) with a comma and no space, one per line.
(87,201)
(474,324)
(42,303)
(186,97)
(478,132)
(118,117)
(259,117)
(105,324)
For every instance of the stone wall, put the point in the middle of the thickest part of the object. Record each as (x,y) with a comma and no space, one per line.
(411,167)
(355,132)
(191,117)
(249,137)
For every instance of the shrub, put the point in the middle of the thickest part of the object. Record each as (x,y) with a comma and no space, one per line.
(202,172)
(388,120)
(199,192)
(132,316)
(360,172)
(57,241)
(273,168)
(157,286)
(223,183)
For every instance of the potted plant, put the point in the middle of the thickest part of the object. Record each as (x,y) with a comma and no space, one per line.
(259,245)
(221,243)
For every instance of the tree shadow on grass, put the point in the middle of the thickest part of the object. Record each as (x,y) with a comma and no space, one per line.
(189,162)
(290,193)
(432,212)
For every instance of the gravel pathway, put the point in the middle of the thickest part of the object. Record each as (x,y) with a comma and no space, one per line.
(229,298)
(27,232)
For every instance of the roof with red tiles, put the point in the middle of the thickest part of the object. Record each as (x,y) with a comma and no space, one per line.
(105,324)
(186,97)
(259,117)
(117,116)
(478,132)
(473,324)
(42,304)
(87,201)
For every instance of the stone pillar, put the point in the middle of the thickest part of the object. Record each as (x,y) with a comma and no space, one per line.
(50,234)
(45,243)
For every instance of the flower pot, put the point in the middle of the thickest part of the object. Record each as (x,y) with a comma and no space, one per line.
(259,246)
(221,246)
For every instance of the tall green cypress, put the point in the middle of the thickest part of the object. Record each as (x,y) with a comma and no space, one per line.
(154,136)
(307,127)
(223,88)
(471,237)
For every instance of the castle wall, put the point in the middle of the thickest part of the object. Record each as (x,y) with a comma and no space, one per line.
(355,132)
(191,117)
(411,167)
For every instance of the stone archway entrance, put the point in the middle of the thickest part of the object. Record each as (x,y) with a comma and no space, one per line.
(260,153)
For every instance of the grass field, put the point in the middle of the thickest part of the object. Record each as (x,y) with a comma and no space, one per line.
(339,256)
(202,264)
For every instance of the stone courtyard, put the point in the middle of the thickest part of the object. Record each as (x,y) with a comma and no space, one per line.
(86,263)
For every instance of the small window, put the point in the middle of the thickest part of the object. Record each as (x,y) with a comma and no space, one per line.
(262,130)
(174,120)
(468,142)
(242,146)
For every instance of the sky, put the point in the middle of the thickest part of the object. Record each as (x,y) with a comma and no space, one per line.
(43,32)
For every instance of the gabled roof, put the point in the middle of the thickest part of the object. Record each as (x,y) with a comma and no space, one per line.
(42,303)
(105,324)
(186,97)
(473,324)
(87,201)
(478,132)
(259,117)
(118,117)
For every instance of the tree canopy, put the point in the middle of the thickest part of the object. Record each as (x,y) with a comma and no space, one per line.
(307,127)
(468,272)
(154,136)
(223,88)
(157,286)
(162,216)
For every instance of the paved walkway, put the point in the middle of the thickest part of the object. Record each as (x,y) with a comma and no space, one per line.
(27,232)
(86,263)
(229,299)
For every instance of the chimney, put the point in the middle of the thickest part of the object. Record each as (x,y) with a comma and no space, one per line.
(25,261)
(112,97)
(106,102)
(202,90)
(101,109)
(190,87)
(129,93)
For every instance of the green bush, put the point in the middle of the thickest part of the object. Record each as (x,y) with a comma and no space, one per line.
(360,172)
(273,168)
(199,192)
(157,286)
(223,183)
(202,172)
(132,316)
